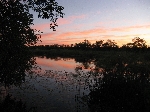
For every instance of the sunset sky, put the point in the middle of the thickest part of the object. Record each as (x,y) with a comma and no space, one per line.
(119,20)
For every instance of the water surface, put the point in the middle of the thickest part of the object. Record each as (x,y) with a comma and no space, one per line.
(82,85)
(57,87)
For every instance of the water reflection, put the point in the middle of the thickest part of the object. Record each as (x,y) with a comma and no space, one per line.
(3,92)
(14,68)
(51,89)
(73,84)
(110,88)
(123,86)
(13,71)
(119,92)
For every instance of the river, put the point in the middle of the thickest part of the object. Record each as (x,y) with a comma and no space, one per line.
(57,87)
(81,85)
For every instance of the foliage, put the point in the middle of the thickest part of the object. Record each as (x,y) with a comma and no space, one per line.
(110,43)
(83,45)
(47,9)
(14,68)
(98,44)
(115,93)
(119,84)
(16,35)
(101,45)
(12,105)
(136,43)
(119,81)
(15,22)
(140,43)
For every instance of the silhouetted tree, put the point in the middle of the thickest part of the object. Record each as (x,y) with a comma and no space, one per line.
(138,42)
(109,44)
(83,45)
(136,45)
(15,22)
(98,44)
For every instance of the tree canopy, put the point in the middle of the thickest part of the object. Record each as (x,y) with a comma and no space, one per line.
(15,21)
(16,35)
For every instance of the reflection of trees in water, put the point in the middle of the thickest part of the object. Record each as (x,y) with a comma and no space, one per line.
(115,93)
(55,58)
(123,64)
(12,105)
(13,70)
(117,85)
(86,63)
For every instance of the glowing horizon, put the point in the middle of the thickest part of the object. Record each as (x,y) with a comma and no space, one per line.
(98,20)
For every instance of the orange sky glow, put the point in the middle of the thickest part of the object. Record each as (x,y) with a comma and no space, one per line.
(121,22)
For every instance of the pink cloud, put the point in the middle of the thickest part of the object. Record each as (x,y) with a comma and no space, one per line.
(94,34)
(80,33)
(126,29)
(60,21)
(100,31)
(41,26)
(122,39)
(69,19)
(92,31)
(46,35)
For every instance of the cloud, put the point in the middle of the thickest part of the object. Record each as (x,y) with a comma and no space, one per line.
(46,35)
(100,31)
(61,21)
(81,33)
(119,34)
(41,26)
(69,19)
(130,28)
(92,31)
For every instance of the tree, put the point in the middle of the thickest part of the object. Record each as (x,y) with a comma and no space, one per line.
(86,43)
(98,44)
(138,42)
(16,35)
(15,22)
(110,43)
(83,45)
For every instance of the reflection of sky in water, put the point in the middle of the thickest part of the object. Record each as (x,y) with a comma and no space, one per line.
(55,90)
(67,65)
(59,65)
(61,86)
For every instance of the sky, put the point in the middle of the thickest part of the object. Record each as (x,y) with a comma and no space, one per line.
(94,20)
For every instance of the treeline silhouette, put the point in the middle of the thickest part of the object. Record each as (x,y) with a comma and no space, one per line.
(137,44)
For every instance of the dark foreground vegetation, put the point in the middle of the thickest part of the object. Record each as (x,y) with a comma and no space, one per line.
(118,92)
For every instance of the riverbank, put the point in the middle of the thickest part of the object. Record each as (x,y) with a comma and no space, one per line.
(91,53)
